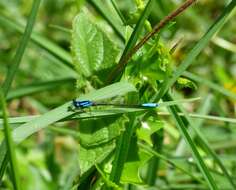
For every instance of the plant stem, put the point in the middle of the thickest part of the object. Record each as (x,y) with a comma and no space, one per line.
(9,144)
(125,58)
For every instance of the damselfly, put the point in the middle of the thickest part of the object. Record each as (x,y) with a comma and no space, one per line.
(81,104)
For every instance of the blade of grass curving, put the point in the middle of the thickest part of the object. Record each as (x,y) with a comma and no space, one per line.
(183,129)
(117,111)
(169,161)
(205,145)
(9,144)
(61,112)
(210,84)
(204,109)
(66,31)
(103,10)
(40,40)
(37,87)
(21,49)
(132,40)
(224,44)
(201,44)
(213,118)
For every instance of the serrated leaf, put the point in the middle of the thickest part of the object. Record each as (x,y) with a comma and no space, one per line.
(92,156)
(98,131)
(92,50)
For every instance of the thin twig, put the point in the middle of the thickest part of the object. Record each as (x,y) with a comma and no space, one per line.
(124,60)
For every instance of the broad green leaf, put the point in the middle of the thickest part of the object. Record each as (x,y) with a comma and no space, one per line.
(92,50)
(94,132)
(154,64)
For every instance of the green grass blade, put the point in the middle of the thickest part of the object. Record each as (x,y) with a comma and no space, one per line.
(59,113)
(9,144)
(182,128)
(201,44)
(118,111)
(62,112)
(37,87)
(169,161)
(21,49)
(171,103)
(213,118)
(206,146)
(204,109)
(224,44)
(114,111)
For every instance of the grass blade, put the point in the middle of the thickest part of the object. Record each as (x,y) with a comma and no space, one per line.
(182,128)
(9,144)
(169,161)
(59,113)
(205,145)
(204,109)
(117,111)
(21,49)
(37,87)
(224,44)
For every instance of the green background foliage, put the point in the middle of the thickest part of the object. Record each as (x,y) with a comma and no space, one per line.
(52,52)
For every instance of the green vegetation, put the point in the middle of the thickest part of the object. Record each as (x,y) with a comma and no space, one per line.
(123,52)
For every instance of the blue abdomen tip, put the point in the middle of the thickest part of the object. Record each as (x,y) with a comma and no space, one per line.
(150,105)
